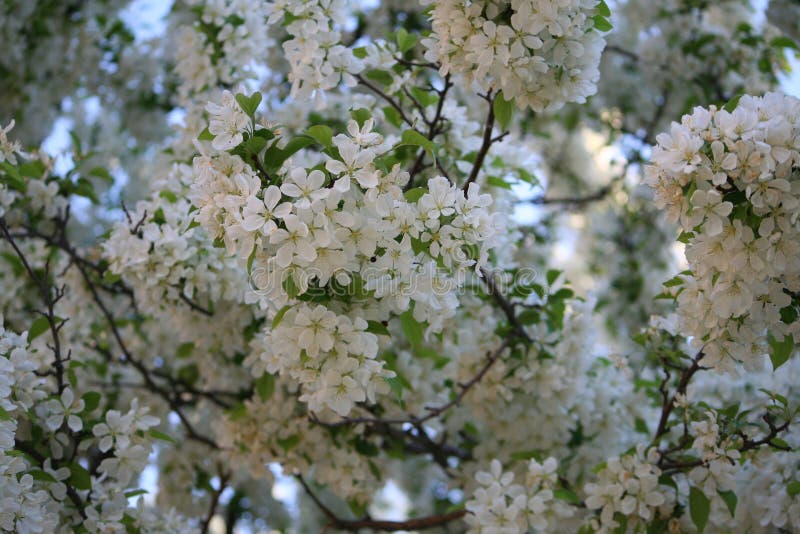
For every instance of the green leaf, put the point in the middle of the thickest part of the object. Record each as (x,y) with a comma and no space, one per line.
(17,267)
(778,442)
(79,477)
(699,508)
(730,500)
(76,141)
(42,476)
(503,110)
(254,145)
(426,98)
(189,374)
(184,350)
(405,40)
(135,493)
(529,317)
(673,282)
(380,76)
(156,434)
(666,480)
(731,104)
(289,443)
(414,138)
(783,42)
(265,386)
(102,173)
(602,9)
(552,276)
(279,316)
(169,196)
(567,495)
(641,426)
(413,195)
(12,177)
(249,104)
(321,134)
(793,488)
(365,447)
(602,24)
(378,328)
(34,169)
(361,115)
(274,156)
(526,455)
(393,116)
(84,188)
(396,386)
(91,400)
(413,330)
(780,350)
(39,327)
(498,182)
(205,135)
(360,52)
(158,217)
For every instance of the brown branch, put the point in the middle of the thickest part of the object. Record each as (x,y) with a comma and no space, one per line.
(667,407)
(212,507)
(29,450)
(434,129)
(426,64)
(354,525)
(193,305)
(503,303)
(391,101)
(600,194)
(169,396)
(486,144)
(774,430)
(50,296)
(432,412)
(491,358)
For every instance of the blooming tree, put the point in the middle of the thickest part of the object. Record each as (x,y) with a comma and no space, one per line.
(488,266)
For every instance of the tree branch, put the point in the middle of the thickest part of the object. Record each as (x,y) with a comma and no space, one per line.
(354,525)
(486,144)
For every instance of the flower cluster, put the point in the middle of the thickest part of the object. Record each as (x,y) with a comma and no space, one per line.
(731,178)
(677,51)
(44,436)
(540,53)
(266,424)
(782,13)
(337,234)
(500,506)
(628,485)
(318,62)
(719,460)
(222,45)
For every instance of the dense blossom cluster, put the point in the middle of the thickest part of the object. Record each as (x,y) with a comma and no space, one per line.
(221,45)
(319,284)
(731,179)
(34,496)
(783,13)
(683,52)
(542,54)
(501,506)
(318,61)
(629,485)
(348,228)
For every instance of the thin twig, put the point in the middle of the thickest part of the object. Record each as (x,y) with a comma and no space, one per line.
(486,144)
